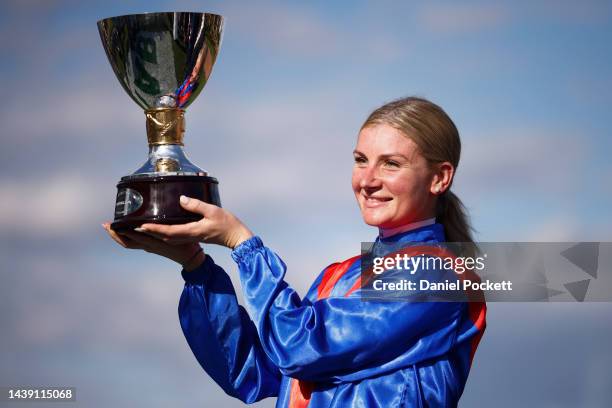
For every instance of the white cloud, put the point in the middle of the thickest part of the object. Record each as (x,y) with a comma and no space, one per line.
(96,301)
(523,159)
(462,18)
(299,31)
(90,109)
(56,205)
(553,229)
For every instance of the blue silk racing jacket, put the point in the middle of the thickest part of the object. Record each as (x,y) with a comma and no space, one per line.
(331,348)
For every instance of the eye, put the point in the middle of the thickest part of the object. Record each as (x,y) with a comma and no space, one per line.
(360,160)
(391,163)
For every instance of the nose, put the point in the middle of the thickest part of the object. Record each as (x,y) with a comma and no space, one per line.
(369,178)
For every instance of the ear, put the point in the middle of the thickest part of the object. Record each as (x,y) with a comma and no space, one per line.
(442,177)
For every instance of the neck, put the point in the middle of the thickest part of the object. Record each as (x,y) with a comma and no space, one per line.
(388,232)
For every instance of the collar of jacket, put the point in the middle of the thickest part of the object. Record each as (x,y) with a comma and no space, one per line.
(389,232)
(427,233)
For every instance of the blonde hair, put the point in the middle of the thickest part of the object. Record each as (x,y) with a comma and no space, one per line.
(438,141)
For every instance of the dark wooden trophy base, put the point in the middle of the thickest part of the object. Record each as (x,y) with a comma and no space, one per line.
(155,199)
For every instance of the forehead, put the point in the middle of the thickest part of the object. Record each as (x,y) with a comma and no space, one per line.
(384,139)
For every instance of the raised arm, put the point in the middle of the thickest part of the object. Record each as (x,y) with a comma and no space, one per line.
(219,332)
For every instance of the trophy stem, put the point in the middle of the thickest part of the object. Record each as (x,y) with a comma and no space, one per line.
(165,126)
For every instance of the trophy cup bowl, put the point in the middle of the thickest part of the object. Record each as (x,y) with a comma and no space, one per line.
(163,61)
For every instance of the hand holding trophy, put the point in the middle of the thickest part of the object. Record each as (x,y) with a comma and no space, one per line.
(163,61)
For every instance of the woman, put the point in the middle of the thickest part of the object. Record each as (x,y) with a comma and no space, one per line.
(332,349)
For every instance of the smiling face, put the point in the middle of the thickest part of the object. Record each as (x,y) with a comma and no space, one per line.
(393,183)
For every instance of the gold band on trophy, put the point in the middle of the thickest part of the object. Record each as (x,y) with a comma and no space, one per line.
(165,126)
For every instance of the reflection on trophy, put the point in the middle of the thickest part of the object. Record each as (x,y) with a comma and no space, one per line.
(163,61)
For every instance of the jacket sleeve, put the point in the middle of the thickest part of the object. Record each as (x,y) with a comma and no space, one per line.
(338,339)
(222,337)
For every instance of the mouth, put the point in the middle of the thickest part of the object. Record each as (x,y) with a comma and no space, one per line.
(375,201)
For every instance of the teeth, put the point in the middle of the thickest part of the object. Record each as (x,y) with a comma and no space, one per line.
(375,200)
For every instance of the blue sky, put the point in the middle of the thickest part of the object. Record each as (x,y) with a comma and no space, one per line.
(527,83)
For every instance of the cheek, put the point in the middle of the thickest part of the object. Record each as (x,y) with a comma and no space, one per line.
(400,186)
(414,198)
(406,191)
(355,180)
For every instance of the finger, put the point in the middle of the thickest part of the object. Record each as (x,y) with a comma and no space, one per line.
(143,239)
(114,235)
(196,206)
(189,230)
(155,235)
(171,239)
(181,241)
(125,242)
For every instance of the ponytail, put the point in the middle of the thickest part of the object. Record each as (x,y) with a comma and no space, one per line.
(452,214)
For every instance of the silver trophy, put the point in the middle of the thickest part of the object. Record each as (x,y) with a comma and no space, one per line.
(163,61)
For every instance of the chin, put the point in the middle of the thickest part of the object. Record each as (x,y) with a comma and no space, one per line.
(375,221)
(371,223)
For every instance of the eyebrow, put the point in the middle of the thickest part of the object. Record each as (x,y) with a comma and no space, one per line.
(385,156)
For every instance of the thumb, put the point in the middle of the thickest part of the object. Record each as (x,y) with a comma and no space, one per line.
(194,205)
